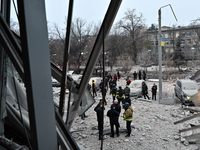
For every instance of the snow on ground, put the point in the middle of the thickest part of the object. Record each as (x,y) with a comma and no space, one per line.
(152,126)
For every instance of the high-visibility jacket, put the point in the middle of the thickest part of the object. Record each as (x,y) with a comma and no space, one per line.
(113,91)
(120,93)
(128,115)
(128,81)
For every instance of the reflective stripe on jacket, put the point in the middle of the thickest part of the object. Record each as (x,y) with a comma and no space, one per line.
(128,115)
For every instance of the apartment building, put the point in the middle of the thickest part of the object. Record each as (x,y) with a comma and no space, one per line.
(189,35)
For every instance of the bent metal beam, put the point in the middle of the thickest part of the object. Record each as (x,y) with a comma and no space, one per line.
(97,48)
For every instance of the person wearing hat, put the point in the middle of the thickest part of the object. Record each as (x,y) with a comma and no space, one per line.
(113,115)
(120,94)
(117,108)
(128,117)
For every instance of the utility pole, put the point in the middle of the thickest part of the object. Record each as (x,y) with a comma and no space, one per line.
(160,50)
(160,55)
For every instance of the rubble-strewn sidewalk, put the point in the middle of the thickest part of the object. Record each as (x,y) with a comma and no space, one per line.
(152,126)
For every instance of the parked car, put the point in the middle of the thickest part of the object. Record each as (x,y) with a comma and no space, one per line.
(55,83)
(136,88)
(184,89)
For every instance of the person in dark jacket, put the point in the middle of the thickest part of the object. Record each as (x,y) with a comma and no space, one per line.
(127,90)
(109,77)
(113,115)
(154,91)
(113,91)
(110,84)
(118,109)
(140,75)
(144,76)
(127,99)
(135,75)
(118,75)
(106,83)
(98,105)
(100,120)
(145,90)
(101,87)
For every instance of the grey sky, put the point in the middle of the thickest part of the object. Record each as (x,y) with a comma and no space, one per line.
(94,10)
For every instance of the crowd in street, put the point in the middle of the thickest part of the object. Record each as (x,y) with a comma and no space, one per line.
(120,98)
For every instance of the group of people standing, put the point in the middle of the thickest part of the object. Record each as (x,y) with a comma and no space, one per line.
(140,75)
(119,95)
(120,98)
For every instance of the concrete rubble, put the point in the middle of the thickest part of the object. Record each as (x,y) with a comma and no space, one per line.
(152,126)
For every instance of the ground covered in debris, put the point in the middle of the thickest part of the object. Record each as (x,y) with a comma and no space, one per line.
(152,126)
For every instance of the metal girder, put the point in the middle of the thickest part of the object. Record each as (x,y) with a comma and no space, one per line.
(64,137)
(188,129)
(193,137)
(5,13)
(107,23)
(11,46)
(35,49)
(57,74)
(66,58)
(186,119)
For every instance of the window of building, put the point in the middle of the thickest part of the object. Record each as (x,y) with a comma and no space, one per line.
(194,33)
(182,34)
(156,42)
(167,50)
(177,34)
(166,42)
(188,41)
(182,41)
(171,42)
(188,34)
(152,36)
(152,42)
(172,34)
(166,35)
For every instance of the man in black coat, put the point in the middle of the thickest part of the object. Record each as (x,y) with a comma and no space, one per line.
(144,76)
(140,75)
(118,109)
(127,99)
(154,91)
(100,120)
(113,115)
(145,90)
(135,75)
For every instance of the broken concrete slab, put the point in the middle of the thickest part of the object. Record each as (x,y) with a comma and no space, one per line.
(167,101)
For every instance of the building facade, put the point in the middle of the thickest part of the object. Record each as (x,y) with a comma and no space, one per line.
(189,36)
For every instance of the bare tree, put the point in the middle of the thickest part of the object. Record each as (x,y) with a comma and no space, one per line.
(134,27)
(79,40)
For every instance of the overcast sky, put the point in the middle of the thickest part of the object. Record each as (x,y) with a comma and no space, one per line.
(94,10)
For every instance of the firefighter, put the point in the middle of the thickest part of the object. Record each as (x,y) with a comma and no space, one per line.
(113,91)
(120,94)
